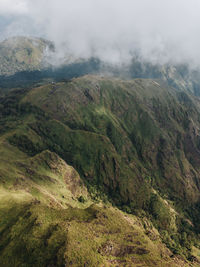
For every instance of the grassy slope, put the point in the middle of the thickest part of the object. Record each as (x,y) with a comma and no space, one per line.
(124,138)
(154,131)
(43,224)
(157,126)
(33,234)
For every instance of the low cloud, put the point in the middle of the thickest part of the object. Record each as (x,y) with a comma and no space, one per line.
(13,7)
(159,31)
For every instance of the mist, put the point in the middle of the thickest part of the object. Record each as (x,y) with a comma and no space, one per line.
(158,31)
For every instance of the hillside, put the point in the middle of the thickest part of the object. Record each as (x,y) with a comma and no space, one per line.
(20,54)
(99,172)
(180,76)
(140,119)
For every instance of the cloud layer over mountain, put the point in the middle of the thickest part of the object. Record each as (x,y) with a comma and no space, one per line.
(160,30)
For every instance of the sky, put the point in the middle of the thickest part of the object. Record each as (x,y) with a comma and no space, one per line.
(159,31)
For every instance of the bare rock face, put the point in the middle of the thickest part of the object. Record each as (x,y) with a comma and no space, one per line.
(122,250)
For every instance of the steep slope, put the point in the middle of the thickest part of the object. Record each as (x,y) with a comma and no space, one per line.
(47,216)
(135,144)
(146,124)
(153,133)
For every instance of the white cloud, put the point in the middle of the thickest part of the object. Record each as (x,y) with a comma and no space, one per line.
(9,7)
(162,30)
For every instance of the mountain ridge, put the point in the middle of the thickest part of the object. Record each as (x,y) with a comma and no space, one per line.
(31,58)
(99,171)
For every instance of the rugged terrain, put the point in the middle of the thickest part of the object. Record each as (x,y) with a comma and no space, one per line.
(100,171)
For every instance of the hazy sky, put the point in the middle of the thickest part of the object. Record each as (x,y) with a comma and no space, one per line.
(161,30)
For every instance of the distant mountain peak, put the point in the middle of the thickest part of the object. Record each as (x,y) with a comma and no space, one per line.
(23,54)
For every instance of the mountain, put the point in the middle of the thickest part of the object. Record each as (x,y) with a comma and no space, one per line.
(179,76)
(142,127)
(25,61)
(19,54)
(99,170)
(75,153)
(28,60)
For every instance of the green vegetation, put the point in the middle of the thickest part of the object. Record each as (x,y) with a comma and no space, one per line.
(75,152)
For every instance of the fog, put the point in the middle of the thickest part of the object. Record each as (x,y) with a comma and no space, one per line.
(159,31)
